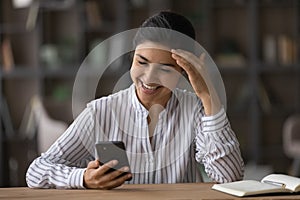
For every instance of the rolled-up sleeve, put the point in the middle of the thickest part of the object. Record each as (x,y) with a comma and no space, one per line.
(218,148)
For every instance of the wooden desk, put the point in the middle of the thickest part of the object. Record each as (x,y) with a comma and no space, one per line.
(131,192)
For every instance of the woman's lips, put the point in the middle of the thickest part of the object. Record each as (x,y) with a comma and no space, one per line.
(149,89)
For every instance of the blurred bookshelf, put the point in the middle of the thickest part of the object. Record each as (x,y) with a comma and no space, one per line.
(254,43)
(42,47)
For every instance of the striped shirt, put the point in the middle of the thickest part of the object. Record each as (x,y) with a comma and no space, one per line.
(183,138)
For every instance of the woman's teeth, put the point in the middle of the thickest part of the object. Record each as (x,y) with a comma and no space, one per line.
(149,87)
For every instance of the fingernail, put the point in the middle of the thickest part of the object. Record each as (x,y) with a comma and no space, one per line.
(125,169)
(114,162)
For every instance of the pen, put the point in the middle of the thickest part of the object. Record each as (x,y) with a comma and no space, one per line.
(275,183)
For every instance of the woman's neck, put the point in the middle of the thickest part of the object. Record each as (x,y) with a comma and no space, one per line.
(153,117)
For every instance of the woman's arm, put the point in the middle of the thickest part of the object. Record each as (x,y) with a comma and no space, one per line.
(218,148)
(70,161)
(216,144)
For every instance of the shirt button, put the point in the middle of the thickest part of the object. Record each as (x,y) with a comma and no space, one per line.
(150,160)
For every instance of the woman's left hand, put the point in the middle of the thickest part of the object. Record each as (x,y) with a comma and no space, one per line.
(199,79)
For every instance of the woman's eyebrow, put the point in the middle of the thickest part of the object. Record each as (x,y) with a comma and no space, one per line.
(166,64)
(142,57)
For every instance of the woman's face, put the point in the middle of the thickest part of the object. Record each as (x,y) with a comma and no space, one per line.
(154,73)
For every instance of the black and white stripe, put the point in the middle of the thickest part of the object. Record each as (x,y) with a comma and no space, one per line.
(183,136)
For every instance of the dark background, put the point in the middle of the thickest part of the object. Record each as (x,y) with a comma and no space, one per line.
(254,43)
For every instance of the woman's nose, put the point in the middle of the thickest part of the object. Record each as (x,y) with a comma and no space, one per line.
(151,74)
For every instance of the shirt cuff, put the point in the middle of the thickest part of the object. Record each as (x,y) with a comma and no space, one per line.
(76,178)
(215,122)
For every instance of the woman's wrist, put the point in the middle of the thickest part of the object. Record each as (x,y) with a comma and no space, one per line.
(211,105)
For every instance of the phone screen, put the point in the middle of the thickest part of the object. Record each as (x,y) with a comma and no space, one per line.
(112,150)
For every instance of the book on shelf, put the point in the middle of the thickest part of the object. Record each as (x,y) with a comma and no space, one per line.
(280,49)
(242,97)
(7,55)
(270,184)
(285,50)
(269,49)
(266,97)
(93,14)
(234,60)
(229,54)
(5,115)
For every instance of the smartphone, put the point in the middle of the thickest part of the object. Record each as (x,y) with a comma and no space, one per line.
(112,150)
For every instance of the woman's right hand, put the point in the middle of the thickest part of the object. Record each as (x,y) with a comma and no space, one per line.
(95,176)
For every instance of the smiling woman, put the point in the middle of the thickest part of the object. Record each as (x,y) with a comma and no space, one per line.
(154,73)
(167,131)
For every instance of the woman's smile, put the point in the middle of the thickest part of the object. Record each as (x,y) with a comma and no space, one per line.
(149,88)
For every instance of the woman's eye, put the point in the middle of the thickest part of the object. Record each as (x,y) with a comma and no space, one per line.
(166,69)
(142,63)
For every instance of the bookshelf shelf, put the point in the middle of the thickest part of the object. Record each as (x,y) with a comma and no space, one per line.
(20,72)
(12,29)
(242,70)
(278,69)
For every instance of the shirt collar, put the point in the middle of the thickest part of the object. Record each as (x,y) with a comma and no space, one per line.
(135,101)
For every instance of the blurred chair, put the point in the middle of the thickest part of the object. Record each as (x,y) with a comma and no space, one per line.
(36,120)
(291,142)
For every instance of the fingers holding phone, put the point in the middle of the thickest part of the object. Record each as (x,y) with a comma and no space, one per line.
(111,169)
(99,176)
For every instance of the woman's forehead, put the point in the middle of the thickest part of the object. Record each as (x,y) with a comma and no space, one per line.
(152,45)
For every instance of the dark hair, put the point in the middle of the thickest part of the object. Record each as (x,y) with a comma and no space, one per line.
(170,25)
